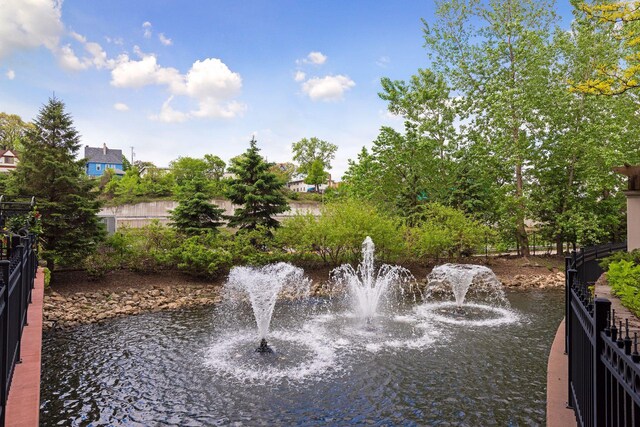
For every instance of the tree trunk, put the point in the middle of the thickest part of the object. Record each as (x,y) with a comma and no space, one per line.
(559,245)
(521,233)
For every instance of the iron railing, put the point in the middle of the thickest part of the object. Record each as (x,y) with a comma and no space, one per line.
(18,266)
(604,363)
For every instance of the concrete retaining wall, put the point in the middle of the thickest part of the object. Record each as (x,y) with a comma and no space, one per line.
(141,214)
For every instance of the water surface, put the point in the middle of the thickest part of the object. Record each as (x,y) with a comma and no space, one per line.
(157,369)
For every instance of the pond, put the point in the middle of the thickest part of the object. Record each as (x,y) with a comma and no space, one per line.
(198,368)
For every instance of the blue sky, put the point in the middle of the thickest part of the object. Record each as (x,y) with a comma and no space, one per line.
(185,78)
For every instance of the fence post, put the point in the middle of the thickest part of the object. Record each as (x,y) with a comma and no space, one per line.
(571,275)
(602,309)
(567,306)
(21,299)
(4,369)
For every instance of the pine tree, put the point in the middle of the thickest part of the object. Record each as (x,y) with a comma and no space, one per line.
(48,170)
(195,214)
(257,190)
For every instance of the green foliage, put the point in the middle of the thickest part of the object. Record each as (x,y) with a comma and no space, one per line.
(308,150)
(13,130)
(284,171)
(442,231)
(316,175)
(47,277)
(202,256)
(256,190)
(195,214)
(624,278)
(337,235)
(633,256)
(146,249)
(66,198)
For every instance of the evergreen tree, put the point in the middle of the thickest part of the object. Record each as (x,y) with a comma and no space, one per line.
(257,190)
(195,214)
(48,170)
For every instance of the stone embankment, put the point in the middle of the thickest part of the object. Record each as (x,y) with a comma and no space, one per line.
(534,281)
(78,308)
(61,311)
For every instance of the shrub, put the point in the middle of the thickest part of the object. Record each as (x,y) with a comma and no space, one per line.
(202,256)
(337,235)
(442,231)
(47,277)
(633,256)
(624,278)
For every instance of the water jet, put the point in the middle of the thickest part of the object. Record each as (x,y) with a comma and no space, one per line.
(366,288)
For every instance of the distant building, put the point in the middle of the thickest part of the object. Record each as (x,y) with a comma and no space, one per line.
(8,160)
(157,170)
(99,159)
(299,186)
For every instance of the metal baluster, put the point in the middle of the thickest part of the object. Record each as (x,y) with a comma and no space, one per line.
(620,341)
(635,356)
(627,339)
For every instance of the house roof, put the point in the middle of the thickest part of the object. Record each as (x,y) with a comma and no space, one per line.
(103,155)
(8,153)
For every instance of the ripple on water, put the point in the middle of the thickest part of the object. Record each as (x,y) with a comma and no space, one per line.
(297,356)
(169,369)
(469,314)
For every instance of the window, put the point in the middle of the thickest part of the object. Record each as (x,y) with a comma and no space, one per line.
(98,167)
(8,160)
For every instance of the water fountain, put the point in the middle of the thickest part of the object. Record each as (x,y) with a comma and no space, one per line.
(488,306)
(366,287)
(458,278)
(262,285)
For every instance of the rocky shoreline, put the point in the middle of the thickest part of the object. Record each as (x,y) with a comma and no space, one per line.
(60,311)
(84,307)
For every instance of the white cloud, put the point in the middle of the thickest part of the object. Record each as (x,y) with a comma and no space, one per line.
(96,57)
(209,82)
(328,88)
(11,74)
(164,40)
(115,40)
(135,74)
(68,59)
(300,76)
(146,26)
(169,115)
(120,106)
(213,109)
(212,78)
(383,61)
(26,24)
(316,58)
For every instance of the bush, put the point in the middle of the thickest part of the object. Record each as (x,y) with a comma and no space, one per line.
(202,256)
(147,249)
(624,278)
(47,277)
(337,235)
(633,256)
(442,231)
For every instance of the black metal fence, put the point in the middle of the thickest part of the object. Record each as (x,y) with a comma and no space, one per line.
(604,363)
(18,266)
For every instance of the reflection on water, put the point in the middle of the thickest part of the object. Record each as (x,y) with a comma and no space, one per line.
(188,368)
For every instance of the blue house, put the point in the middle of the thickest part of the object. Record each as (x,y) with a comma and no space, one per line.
(99,159)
